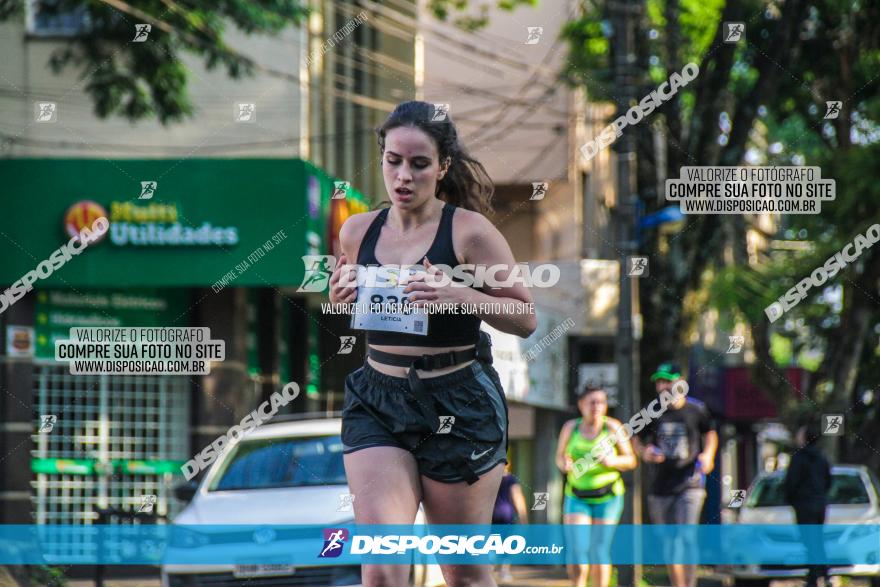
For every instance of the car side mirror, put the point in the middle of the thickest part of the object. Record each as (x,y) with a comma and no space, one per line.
(186,490)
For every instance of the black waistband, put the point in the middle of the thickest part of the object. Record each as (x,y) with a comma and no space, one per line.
(423,362)
(482,351)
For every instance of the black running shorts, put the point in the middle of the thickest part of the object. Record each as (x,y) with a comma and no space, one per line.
(471,395)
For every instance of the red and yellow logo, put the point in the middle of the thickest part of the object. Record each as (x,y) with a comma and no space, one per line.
(82,215)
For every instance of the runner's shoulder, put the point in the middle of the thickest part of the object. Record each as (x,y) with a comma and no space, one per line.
(354,228)
(569,425)
(471,229)
(472,221)
(695,403)
(613,423)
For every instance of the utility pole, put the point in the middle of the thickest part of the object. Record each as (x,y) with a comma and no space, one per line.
(624,14)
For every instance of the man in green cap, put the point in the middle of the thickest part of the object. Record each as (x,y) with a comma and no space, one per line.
(681,445)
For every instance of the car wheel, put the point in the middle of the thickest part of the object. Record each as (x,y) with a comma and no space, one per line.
(875,581)
(758,583)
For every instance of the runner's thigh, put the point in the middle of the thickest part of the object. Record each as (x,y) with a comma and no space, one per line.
(385,483)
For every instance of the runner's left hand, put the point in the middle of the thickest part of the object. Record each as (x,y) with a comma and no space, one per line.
(705,463)
(429,288)
(607,459)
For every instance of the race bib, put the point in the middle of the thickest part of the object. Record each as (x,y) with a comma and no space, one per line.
(381,305)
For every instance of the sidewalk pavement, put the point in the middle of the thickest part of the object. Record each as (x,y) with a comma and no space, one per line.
(116,583)
(550,576)
(555,576)
(533,576)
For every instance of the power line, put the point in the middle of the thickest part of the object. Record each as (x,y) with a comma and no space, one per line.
(543,98)
(473,50)
(508,100)
(367,101)
(542,154)
(12,140)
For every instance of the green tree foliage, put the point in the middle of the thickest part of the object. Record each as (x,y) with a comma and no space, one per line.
(140,80)
(761,100)
(471,16)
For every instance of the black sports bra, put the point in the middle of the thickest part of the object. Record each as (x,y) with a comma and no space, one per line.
(443,329)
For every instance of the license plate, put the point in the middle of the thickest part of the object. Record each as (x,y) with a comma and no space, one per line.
(246,571)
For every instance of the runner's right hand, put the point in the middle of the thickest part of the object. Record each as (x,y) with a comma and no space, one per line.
(343,295)
(653,454)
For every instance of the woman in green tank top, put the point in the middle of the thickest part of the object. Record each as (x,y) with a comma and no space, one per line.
(592,452)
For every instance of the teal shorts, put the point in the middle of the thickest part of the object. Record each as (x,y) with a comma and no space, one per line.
(609,510)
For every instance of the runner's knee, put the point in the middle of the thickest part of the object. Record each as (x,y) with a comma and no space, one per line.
(384,576)
(465,575)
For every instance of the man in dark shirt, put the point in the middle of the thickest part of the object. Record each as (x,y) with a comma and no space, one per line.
(806,486)
(681,444)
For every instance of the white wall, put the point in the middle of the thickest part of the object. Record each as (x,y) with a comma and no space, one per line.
(497,87)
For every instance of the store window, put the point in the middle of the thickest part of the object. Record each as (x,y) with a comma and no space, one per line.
(115,439)
(50,18)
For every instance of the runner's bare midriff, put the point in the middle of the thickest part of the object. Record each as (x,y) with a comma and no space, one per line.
(416,352)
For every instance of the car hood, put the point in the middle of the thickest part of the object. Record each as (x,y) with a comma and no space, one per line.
(288,506)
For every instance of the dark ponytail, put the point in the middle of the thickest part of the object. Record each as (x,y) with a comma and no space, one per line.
(466,183)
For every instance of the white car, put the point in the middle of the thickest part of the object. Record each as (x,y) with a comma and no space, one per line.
(282,473)
(853,499)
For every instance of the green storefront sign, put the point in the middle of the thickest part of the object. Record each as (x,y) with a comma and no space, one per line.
(96,467)
(173,223)
(58,310)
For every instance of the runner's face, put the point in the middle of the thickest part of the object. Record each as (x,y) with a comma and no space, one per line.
(411,167)
(593,405)
(662,385)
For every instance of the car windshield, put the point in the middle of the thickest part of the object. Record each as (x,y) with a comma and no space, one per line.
(846,489)
(282,462)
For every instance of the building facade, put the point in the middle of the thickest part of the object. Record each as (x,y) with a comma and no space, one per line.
(239,170)
(516,116)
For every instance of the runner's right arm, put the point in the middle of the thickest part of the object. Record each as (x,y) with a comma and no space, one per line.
(647,452)
(350,235)
(563,461)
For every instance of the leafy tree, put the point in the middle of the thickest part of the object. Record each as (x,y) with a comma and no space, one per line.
(840,321)
(141,80)
(471,17)
(765,98)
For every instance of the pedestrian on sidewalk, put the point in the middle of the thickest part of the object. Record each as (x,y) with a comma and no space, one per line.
(806,486)
(592,451)
(681,445)
(510,508)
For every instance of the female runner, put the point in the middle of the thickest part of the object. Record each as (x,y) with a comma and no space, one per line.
(401,446)
(593,487)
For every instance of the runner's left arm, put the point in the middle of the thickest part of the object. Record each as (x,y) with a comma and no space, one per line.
(624,459)
(487,246)
(509,308)
(519,503)
(707,457)
(710,440)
